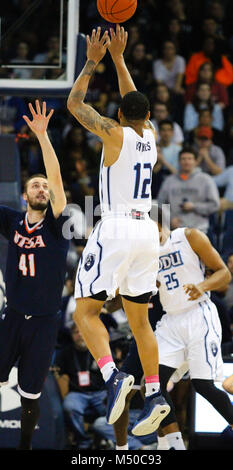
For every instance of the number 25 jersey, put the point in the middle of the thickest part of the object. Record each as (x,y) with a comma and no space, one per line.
(178,265)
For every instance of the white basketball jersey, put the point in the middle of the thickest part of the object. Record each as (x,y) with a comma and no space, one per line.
(126,184)
(178,265)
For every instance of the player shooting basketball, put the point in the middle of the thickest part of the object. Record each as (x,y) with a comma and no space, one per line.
(130,264)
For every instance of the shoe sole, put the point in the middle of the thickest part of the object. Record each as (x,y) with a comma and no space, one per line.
(152,422)
(119,404)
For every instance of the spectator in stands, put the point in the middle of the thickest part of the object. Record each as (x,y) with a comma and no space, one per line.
(192,194)
(134,37)
(160,112)
(169,150)
(219,93)
(162,94)
(140,65)
(228,298)
(85,183)
(225,179)
(211,158)
(12,109)
(22,53)
(210,28)
(205,120)
(170,68)
(209,53)
(81,386)
(202,100)
(180,38)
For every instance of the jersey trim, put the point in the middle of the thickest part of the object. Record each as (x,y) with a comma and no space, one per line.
(32,229)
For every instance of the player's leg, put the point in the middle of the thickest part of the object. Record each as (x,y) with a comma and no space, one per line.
(30,413)
(218,399)
(131,365)
(169,426)
(96,337)
(38,342)
(156,408)
(205,359)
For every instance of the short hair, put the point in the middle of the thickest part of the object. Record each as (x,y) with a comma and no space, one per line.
(188,149)
(134,106)
(229,255)
(166,121)
(37,175)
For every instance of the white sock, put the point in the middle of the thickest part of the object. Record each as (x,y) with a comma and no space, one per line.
(175,440)
(162,443)
(152,387)
(107,370)
(125,447)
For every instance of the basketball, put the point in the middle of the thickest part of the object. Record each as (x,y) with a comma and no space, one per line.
(116,11)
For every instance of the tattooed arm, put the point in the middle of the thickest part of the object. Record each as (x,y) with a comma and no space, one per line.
(86,114)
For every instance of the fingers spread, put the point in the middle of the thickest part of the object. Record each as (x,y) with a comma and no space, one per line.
(38,107)
(32,109)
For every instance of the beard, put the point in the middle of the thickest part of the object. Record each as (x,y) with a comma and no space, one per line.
(38,205)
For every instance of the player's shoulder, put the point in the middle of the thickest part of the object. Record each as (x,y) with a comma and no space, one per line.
(195,236)
(150,126)
(10,213)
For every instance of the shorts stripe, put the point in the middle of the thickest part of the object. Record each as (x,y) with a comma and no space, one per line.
(81,287)
(200,304)
(108,187)
(100,257)
(212,321)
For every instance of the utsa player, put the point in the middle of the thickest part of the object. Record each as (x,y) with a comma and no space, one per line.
(122,250)
(35,272)
(189,333)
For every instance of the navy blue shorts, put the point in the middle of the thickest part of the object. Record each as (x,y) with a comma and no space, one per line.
(29,341)
(132,364)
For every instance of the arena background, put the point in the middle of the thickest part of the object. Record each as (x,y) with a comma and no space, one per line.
(42,50)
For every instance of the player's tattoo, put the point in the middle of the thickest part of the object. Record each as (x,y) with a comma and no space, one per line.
(88,69)
(52,196)
(93,121)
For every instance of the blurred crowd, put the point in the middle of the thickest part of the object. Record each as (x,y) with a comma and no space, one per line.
(180,54)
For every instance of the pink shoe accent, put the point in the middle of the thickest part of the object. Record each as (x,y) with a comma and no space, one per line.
(152,379)
(104,360)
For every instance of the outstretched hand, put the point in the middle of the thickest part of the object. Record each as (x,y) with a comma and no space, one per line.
(40,121)
(96,47)
(118,41)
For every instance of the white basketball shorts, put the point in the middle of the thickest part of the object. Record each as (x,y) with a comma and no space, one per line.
(193,336)
(121,252)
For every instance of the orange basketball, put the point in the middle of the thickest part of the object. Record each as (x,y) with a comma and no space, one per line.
(116,11)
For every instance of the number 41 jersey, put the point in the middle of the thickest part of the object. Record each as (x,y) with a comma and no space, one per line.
(178,265)
(126,184)
(36,262)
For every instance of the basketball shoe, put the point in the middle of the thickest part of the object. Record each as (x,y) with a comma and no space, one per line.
(118,386)
(155,410)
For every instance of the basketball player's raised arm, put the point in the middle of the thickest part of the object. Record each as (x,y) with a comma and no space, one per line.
(221,276)
(116,49)
(39,125)
(85,114)
(125,81)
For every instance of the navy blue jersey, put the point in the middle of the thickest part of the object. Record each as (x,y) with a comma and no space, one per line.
(36,261)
